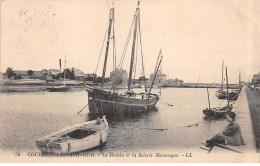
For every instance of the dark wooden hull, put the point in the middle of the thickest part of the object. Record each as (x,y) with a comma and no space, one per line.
(231,96)
(217,112)
(103,102)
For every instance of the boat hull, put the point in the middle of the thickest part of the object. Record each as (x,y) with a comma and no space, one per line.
(102,102)
(58,89)
(220,93)
(48,145)
(231,96)
(217,112)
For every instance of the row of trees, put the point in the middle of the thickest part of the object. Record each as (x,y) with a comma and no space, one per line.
(11,73)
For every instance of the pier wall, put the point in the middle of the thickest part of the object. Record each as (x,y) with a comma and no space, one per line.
(241,108)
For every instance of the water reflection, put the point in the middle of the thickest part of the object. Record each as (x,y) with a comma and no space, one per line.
(122,117)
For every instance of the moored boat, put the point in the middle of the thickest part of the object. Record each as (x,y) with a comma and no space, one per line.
(76,138)
(218,112)
(105,102)
(61,88)
(102,101)
(220,93)
(231,96)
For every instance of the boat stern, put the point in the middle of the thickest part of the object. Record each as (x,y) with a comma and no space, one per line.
(52,147)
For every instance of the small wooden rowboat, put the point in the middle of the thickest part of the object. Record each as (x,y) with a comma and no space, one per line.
(76,138)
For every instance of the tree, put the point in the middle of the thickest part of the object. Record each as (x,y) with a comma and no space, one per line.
(17,76)
(30,73)
(10,72)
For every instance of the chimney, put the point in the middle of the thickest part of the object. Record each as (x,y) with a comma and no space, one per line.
(60,65)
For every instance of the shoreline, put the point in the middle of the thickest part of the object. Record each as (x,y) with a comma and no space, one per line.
(9,88)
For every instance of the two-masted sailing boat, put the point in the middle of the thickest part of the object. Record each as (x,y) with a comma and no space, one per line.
(106,102)
(218,112)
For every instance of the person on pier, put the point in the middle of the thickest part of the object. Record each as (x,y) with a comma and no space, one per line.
(231,134)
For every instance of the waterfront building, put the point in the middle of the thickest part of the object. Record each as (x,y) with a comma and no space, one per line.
(74,74)
(160,78)
(119,76)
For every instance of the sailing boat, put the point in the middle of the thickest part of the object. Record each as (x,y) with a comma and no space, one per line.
(60,88)
(106,102)
(218,112)
(221,92)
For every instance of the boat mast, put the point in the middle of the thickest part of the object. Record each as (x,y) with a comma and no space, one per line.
(133,48)
(111,18)
(222,75)
(156,70)
(227,86)
(239,79)
(208,97)
(161,79)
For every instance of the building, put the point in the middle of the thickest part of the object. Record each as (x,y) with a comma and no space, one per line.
(54,72)
(174,82)
(75,74)
(79,75)
(42,75)
(119,76)
(159,80)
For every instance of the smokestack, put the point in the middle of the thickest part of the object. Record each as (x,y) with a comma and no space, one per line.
(60,65)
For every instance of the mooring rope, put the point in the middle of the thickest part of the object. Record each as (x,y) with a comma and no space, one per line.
(82,109)
(165,103)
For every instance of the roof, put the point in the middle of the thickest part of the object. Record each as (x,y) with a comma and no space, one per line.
(54,70)
(77,72)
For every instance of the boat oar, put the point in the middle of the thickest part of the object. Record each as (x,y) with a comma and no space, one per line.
(227,148)
(154,129)
(82,109)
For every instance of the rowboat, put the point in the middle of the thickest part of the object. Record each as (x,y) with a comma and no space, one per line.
(76,138)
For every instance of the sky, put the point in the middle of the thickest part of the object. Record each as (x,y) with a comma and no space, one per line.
(195,36)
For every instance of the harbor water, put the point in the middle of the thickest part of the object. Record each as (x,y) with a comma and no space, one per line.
(26,117)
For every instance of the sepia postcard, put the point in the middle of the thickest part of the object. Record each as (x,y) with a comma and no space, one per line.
(130,81)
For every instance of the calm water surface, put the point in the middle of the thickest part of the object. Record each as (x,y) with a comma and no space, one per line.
(26,117)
